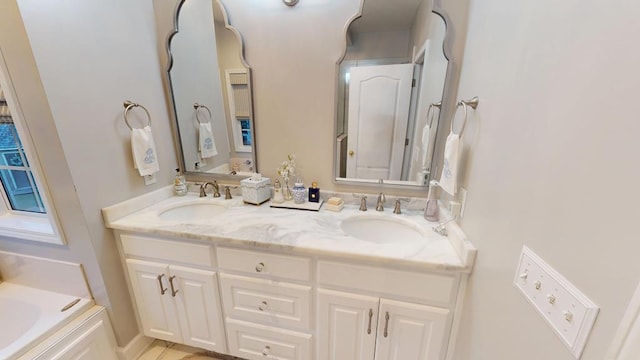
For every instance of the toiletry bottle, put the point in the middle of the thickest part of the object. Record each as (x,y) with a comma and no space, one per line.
(179,184)
(298,192)
(431,210)
(314,193)
(277,198)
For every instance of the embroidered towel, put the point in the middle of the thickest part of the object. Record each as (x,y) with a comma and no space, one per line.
(449,176)
(144,151)
(206,146)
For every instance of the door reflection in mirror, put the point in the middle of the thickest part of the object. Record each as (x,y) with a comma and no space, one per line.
(390,74)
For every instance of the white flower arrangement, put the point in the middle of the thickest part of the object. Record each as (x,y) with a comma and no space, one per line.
(288,168)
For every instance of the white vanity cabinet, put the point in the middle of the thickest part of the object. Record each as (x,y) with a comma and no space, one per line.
(267,302)
(353,326)
(174,302)
(274,304)
(385,314)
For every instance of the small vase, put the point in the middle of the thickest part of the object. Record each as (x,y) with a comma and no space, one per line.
(286,191)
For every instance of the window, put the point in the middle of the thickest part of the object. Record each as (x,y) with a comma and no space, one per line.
(239,100)
(20,190)
(23,205)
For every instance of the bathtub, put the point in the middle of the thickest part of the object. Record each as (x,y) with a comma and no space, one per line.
(30,315)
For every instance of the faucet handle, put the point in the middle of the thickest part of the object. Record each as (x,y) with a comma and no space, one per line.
(216,189)
(227,191)
(396,208)
(363,201)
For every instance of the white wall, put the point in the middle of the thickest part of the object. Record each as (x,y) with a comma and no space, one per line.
(90,57)
(552,163)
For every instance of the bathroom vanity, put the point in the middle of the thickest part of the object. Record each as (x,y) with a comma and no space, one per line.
(264,283)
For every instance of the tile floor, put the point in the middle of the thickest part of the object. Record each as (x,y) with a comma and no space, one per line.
(163,350)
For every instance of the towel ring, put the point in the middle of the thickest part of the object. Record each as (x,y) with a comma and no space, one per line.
(473,103)
(197,107)
(128,105)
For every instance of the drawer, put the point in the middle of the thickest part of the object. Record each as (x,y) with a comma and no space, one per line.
(253,341)
(259,263)
(439,289)
(168,250)
(267,301)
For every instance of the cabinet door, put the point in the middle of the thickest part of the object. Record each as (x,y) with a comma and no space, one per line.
(196,294)
(155,305)
(347,325)
(92,344)
(410,331)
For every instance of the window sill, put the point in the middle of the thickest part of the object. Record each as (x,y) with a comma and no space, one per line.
(28,227)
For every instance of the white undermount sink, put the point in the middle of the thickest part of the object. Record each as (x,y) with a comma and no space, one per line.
(382,229)
(192,211)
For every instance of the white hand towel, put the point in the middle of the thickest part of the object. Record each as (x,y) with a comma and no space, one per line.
(145,158)
(425,146)
(206,146)
(449,176)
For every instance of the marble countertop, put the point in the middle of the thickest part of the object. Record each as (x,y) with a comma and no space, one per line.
(294,231)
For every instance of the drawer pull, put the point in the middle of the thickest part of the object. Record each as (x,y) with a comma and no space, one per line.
(386,324)
(173,290)
(263,306)
(260,267)
(265,352)
(370,317)
(162,288)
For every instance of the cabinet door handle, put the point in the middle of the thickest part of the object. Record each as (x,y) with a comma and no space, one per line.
(386,324)
(173,290)
(162,288)
(370,318)
(263,305)
(260,267)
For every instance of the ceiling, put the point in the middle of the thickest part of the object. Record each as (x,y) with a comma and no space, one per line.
(386,15)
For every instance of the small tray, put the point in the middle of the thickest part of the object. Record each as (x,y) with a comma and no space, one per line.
(311,206)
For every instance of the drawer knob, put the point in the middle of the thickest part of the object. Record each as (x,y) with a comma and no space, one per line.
(263,306)
(260,267)
(265,352)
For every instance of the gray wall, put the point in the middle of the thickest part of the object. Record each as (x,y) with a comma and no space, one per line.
(551,162)
(81,61)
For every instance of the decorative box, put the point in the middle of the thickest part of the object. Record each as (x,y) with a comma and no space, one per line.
(256,189)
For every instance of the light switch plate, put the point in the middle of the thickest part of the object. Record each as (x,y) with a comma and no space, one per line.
(569,312)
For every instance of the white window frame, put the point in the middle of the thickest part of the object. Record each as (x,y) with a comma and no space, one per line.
(235,122)
(25,225)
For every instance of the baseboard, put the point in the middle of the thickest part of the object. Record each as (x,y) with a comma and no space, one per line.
(134,348)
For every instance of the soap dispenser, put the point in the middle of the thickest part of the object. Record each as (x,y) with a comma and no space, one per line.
(431,210)
(180,184)
(277,198)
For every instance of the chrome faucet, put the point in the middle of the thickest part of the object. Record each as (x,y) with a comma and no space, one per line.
(216,189)
(396,208)
(381,200)
(363,201)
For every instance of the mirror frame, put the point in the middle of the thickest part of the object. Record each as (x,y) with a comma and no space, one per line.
(448,102)
(195,175)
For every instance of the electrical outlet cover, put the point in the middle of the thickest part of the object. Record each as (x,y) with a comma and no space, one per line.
(569,312)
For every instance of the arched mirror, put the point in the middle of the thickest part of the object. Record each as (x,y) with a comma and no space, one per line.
(390,89)
(210,87)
